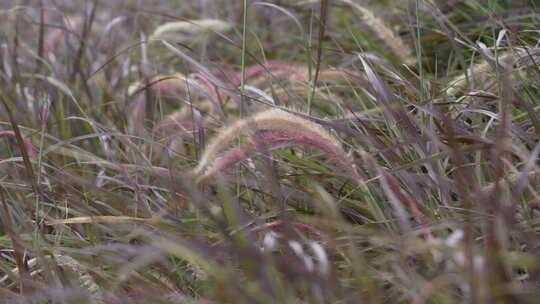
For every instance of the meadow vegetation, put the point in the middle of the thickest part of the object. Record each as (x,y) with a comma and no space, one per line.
(302,151)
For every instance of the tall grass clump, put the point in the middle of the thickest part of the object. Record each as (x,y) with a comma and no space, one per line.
(269,152)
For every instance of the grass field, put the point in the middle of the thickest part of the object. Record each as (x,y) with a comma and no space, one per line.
(219,151)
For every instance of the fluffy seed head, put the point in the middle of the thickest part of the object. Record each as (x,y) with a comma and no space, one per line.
(186,30)
(272,129)
(384,33)
(478,71)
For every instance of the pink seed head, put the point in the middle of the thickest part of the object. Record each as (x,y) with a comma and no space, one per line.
(27,144)
(270,140)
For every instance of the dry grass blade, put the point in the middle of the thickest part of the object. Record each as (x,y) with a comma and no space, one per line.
(101,219)
(279,224)
(23,148)
(18,249)
(84,277)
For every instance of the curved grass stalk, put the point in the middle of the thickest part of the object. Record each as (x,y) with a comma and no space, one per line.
(167,85)
(256,75)
(170,86)
(179,120)
(26,142)
(174,84)
(214,90)
(385,33)
(275,68)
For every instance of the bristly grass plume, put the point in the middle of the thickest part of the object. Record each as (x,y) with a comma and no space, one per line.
(272,128)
